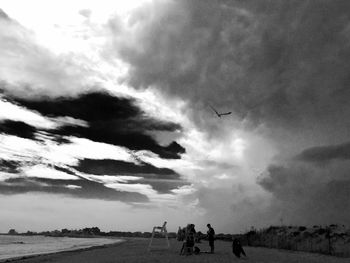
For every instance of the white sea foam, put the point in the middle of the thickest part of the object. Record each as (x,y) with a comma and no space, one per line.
(19,246)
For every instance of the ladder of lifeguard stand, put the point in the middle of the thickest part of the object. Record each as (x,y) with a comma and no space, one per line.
(163,231)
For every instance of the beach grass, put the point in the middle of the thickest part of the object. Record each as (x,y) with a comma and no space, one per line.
(134,250)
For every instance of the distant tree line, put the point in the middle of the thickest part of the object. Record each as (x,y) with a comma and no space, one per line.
(96,232)
(87,232)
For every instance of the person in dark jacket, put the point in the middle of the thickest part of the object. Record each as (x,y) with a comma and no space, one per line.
(188,244)
(237,248)
(211,237)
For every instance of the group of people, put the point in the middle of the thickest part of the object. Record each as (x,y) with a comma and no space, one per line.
(189,237)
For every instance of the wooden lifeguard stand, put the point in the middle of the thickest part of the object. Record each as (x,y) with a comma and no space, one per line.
(163,231)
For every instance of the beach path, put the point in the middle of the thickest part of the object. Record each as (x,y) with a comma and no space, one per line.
(135,251)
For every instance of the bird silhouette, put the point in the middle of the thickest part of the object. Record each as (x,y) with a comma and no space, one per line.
(220,114)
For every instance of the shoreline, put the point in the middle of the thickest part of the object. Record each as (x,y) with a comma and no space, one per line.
(71,250)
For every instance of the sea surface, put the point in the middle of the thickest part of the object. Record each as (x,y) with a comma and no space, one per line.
(19,246)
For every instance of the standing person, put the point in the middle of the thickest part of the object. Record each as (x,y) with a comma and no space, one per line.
(211,237)
(180,234)
(190,240)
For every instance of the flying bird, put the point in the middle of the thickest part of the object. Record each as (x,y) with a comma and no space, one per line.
(220,114)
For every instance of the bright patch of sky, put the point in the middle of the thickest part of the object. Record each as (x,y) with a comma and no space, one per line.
(72,186)
(67,22)
(41,171)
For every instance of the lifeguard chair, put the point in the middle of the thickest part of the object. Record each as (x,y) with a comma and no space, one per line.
(162,231)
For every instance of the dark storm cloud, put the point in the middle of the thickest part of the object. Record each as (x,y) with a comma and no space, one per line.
(162,180)
(117,133)
(163,186)
(234,203)
(17,128)
(308,194)
(282,66)
(89,107)
(88,189)
(10,166)
(63,169)
(3,15)
(111,120)
(323,154)
(114,167)
(304,59)
(272,62)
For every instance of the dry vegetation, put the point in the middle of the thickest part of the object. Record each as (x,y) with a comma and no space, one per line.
(332,240)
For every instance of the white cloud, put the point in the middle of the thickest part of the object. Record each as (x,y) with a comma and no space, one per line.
(10,111)
(5,176)
(146,189)
(29,69)
(65,22)
(110,179)
(41,171)
(17,113)
(20,149)
(72,186)
(80,148)
(66,120)
(222,176)
(50,152)
(184,190)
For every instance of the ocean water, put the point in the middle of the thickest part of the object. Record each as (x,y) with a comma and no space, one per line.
(18,246)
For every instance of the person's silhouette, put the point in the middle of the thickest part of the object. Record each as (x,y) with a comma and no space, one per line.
(237,248)
(211,237)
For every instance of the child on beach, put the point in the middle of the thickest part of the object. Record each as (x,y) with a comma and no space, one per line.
(237,248)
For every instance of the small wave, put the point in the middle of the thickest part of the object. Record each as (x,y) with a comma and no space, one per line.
(43,245)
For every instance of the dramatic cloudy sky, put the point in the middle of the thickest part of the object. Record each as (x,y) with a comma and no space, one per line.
(105,115)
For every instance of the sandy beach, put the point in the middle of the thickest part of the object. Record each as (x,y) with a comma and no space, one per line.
(135,250)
